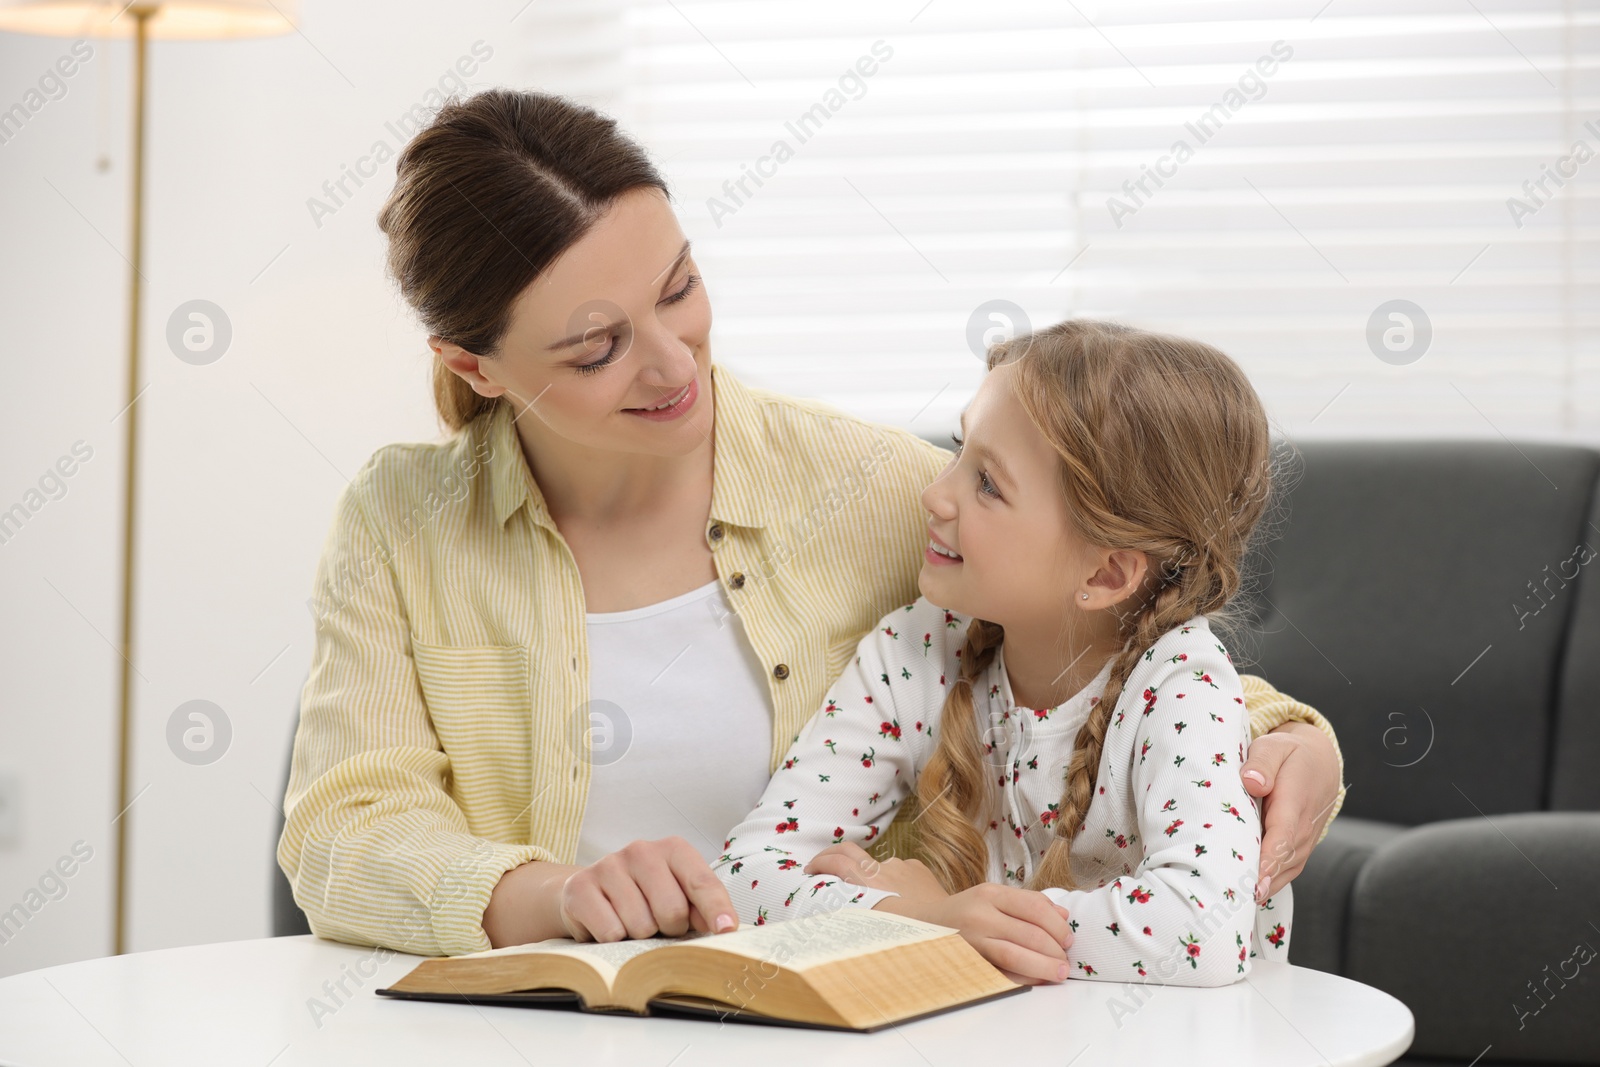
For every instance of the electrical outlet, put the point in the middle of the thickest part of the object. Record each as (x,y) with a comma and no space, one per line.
(10,808)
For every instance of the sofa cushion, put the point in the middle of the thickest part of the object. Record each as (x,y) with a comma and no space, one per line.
(1486,929)
(1322,891)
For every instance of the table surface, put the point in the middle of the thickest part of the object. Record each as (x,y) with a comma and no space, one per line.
(269,1002)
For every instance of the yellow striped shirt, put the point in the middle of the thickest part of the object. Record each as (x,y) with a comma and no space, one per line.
(443,725)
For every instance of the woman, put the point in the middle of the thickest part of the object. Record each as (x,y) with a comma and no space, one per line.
(559,654)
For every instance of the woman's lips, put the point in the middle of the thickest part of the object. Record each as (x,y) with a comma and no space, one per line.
(686,401)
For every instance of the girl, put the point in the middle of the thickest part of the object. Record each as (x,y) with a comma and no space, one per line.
(1055,700)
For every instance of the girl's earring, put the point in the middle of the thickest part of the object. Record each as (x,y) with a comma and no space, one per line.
(1085,596)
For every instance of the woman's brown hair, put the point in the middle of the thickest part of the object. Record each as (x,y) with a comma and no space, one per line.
(1164,449)
(487,196)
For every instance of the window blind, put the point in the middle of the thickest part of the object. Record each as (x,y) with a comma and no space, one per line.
(1386,212)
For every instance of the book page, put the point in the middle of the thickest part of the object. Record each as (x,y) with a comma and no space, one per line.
(606,956)
(825,938)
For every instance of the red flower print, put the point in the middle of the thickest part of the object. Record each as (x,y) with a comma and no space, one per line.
(889,729)
(1140,895)
(1147,931)
(890,631)
(761,916)
(1173,828)
(1219,759)
(1138,965)
(1169,805)
(1086,968)
(868,756)
(1191,945)
(788,764)
(872,831)
(838,834)
(1276,937)
(1231,810)
(1049,816)
(830,709)
(788,865)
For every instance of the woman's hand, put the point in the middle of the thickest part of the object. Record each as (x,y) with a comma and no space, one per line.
(645,889)
(1021,931)
(854,864)
(1295,768)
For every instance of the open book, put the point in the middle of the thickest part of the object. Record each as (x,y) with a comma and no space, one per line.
(845,970)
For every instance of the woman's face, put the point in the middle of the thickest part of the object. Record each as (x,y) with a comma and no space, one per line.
(619,323)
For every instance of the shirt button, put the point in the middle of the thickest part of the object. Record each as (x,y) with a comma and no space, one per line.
(716,531)
(781,671)
(737,581)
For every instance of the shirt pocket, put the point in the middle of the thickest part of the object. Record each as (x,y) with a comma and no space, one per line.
(480,704)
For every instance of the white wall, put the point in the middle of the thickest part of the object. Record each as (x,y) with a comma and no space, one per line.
(241,459)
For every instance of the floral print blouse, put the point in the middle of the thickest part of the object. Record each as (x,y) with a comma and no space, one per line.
(1168,852)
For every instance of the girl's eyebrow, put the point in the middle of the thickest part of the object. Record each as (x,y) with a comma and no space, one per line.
(568,342)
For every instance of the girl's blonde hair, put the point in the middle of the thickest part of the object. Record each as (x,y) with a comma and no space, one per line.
(1165,449)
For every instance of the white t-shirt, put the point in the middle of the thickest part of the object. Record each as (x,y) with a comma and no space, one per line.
(680,719)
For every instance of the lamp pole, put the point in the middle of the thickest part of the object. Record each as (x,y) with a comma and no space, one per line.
(141,14)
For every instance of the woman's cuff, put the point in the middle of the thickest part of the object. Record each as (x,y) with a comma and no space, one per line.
(463,890)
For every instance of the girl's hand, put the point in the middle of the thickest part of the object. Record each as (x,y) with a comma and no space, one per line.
(854,864)
(645,889)
(1021,931)
(1295,768)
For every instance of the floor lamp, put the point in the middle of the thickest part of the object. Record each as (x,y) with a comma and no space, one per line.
(143,21)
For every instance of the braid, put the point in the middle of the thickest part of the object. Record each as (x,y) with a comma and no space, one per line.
(1176,601)
(953,789)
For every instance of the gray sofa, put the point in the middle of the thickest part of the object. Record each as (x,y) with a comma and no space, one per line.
(1437,602)
(1397,596)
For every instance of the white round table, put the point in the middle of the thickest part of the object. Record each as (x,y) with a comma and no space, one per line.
(279,1002)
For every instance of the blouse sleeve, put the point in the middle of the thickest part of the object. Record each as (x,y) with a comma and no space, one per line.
(377,850)
(1187,912)
(842,779)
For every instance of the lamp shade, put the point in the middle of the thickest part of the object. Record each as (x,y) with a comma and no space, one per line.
(192,20)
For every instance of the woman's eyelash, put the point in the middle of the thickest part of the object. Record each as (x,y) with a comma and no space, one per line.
(609,358)
(688,287)
(590,368)
(957,439)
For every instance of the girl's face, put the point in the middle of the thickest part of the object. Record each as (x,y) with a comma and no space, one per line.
(619,323)
(999,508)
